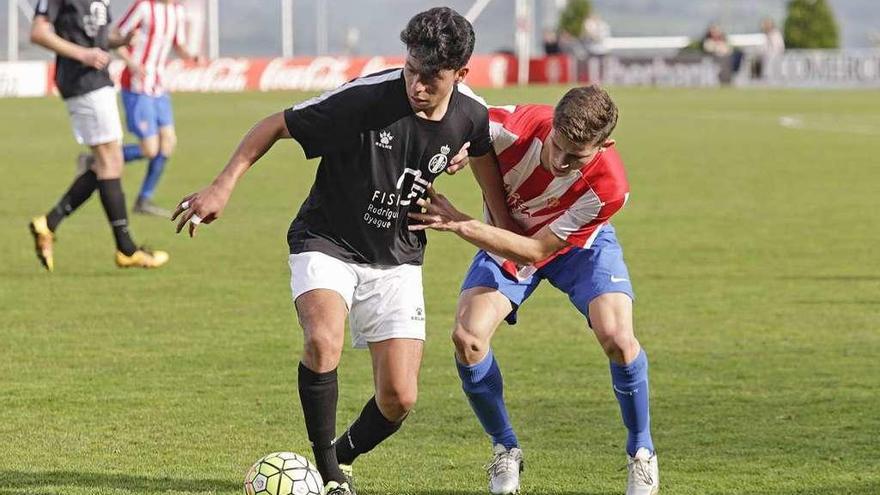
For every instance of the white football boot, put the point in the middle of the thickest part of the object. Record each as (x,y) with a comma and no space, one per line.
(642,474)
(504,470)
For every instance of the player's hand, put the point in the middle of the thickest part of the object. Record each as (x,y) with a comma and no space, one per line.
(438,213)
(131,37)
(95,57)
(460,160)
(136,69)
(204,206)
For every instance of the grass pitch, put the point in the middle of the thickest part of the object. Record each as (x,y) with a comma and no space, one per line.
(750,234)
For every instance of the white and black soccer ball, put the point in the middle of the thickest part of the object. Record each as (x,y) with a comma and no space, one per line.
(283,473)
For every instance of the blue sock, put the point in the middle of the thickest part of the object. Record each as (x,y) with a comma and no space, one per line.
(484,387)
(630,383)
(131,152)
(154,172)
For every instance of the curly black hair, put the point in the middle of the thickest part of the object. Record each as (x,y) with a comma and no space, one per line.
(439,39)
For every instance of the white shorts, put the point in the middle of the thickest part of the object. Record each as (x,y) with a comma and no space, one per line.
(95,117)
(384,302)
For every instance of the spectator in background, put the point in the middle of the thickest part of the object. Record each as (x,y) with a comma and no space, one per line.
(571,45)
(551,42)
(596,31)
(774,45)
(352,40)
(715,43)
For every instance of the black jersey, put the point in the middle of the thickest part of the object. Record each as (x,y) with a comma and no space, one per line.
(85,23)
(377,160)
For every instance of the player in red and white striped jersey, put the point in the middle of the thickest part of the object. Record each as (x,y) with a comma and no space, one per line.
(564,180)
(161,27)
(572,206)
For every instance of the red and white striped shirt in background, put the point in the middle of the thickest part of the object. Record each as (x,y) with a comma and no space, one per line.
(161,26)
(575,206)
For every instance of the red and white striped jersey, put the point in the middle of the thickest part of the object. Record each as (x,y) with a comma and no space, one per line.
(161,25)
(575,206)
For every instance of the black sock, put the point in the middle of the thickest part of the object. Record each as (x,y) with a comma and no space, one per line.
(367,431)
(81,190)
(113,200)
(318,393)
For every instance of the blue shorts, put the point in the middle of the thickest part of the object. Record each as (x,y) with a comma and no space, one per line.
(145,114)
(583,274)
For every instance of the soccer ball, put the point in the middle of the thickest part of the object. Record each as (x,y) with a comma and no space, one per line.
(283,473)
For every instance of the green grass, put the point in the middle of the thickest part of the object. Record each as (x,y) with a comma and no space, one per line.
(753,248)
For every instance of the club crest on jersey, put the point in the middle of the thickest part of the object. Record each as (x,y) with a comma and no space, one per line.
(97,18)
(438,162)
(385,138)
(419,316)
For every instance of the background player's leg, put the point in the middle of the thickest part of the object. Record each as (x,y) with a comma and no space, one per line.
(138,118)
(396,365)
(156,167)
(148,147)
(480,311)
(159,155)
(43,227)
(133,152)
(108,168)
(80,190)
(611,319)
(322,314)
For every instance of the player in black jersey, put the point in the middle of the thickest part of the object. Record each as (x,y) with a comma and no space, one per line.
(78,31)
(382,139)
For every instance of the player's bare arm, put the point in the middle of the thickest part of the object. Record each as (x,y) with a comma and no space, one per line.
(208,204)
(115,39)
(136,68)
(185,54)
(43,34)
(486,171)
(440,214)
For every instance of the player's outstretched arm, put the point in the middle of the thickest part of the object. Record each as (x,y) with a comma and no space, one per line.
(208,204)
(43,34)
(441,214)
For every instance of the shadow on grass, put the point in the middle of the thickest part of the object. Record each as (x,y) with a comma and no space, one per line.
(833,278)
(816,302)
(483,492)
(855,488)
(25,482)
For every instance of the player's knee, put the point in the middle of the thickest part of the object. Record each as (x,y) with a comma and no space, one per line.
(397,401)
(617,339)
(150,149)
(168,145)
(322,349)
(468,346)
(108,161)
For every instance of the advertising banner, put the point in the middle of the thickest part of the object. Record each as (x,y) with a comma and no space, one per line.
(679,71)
(823,69)
(19,79)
